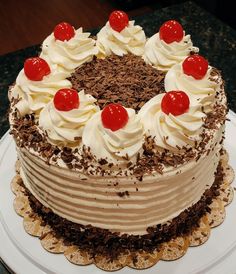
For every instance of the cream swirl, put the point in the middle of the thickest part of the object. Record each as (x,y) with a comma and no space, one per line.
(68,55)
(131,39)
(163,56)
(169,131)
(34,95)
(66,127)
(199,91)
(114,145)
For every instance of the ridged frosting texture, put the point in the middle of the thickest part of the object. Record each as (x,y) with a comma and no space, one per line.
(34,95)
(68,55)
(66,127)
(169,131)
(131,39)
(201,91)
(114,145)
(163,56)
(93,200)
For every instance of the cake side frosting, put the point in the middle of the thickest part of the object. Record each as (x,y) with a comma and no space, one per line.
(120,204)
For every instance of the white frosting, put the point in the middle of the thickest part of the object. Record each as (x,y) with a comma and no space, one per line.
(34,95)
(130,39)
(62,127)
(169,131)
(113,145)
(199,91)
(93,200)
(163,56)
(68,55)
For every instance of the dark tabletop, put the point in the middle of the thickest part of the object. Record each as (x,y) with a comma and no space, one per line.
(216,40)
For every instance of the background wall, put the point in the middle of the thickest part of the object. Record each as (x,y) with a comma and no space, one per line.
(27,22)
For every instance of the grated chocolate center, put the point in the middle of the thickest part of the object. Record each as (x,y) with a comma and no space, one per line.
(127,80)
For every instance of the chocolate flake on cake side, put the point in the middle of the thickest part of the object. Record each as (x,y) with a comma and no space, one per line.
(127,80)
(98,241)
(26,134)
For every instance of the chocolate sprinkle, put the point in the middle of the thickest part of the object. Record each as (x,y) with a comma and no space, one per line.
(122,194)
(98,241)
(127,80)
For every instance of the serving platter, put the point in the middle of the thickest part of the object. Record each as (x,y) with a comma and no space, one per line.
(24,254)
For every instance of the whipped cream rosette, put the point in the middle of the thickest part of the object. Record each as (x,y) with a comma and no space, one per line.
(114,145)
(200,91)
(164,54)
(33,94)
(66,127)
(172,132)
(69,54)
(130,40)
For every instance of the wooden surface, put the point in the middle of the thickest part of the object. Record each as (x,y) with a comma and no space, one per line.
(28,22)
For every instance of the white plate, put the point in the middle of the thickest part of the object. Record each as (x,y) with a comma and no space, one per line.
(216,256)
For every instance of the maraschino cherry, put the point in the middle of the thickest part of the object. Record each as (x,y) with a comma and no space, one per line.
(196,66)
(66,99)
(36,68)
(118,20)
(175,103)
(64,32)
(171,31)
(114,116)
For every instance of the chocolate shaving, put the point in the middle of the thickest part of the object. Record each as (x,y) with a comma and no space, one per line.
(122,194)
(102,162)
(130,81)
(98,241)
(127,80)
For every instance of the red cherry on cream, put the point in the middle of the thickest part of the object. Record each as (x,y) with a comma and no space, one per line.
(171,31)
(66,99)
(114,116)
(36,68)
(175,103)
(118,20)
(196,66)
(64,31)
